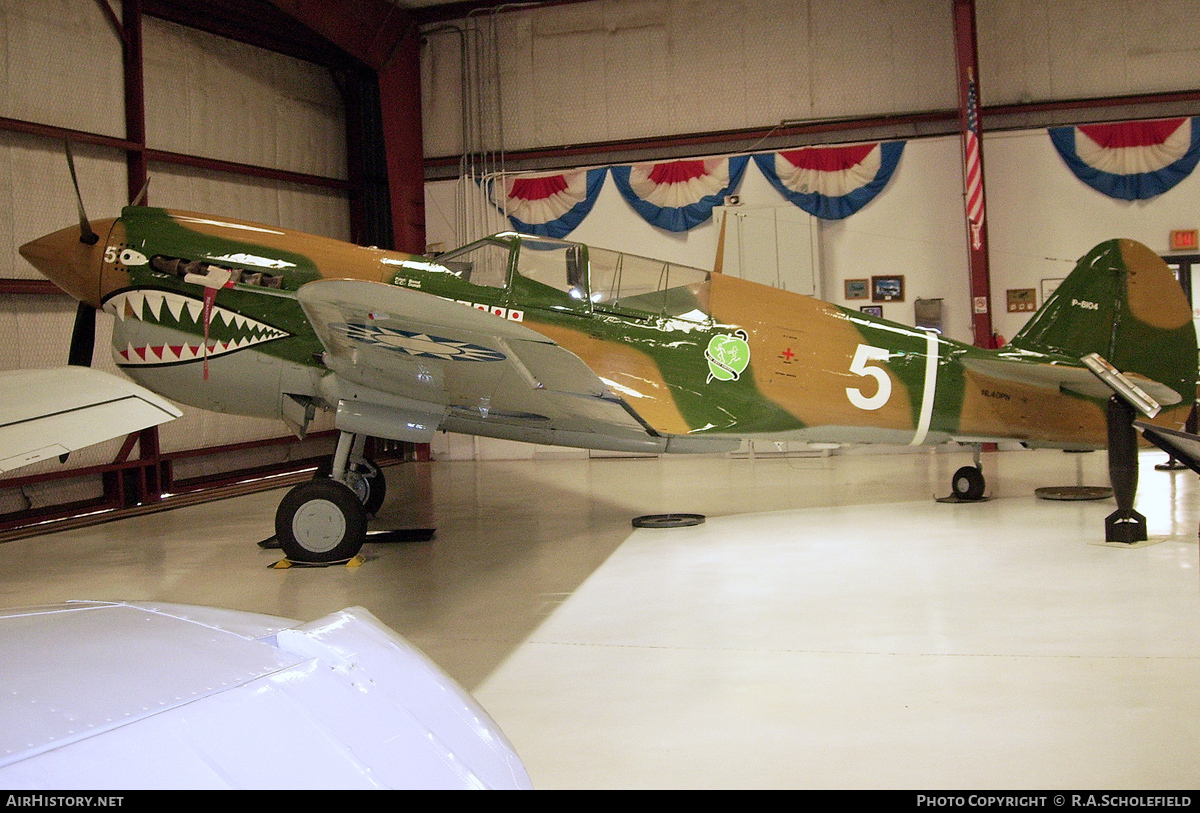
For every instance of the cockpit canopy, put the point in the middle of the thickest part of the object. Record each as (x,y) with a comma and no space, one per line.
(572,276)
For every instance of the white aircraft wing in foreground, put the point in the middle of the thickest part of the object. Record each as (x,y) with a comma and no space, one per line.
(103,695)
(48,413)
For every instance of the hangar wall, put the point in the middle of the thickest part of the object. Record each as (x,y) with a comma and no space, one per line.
(1043,50)
(205,96)
(625,69)
(608,70)
(1041,218)
(605,70)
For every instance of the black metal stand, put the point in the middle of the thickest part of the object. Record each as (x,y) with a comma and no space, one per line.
(1123,525)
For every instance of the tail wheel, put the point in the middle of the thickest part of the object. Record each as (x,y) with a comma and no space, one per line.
(967,483)
(320,521)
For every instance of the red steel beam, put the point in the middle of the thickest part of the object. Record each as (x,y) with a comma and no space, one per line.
(385,37)
(167,157)
(246,170)
(715,137)
(967,59)
(135,95)
(29,287)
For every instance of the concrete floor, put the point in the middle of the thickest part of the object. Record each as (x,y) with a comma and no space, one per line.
(828,626)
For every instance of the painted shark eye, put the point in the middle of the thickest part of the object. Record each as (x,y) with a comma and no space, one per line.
(131,257)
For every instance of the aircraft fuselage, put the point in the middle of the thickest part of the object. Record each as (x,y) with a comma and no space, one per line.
(206,313)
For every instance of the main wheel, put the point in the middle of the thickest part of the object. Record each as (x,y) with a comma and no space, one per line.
(365,479)
(320,521)
(967,483)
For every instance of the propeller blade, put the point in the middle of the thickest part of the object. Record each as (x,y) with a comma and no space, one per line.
(86,235)
(141,195)
(83,336)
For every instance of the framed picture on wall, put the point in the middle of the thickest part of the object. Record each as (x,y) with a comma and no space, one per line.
(857,288)
(872,310)
(1049,286)
(1022,300)
(887,289)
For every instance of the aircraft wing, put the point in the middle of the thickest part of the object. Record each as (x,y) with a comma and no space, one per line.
(51,412)
(436,363)
(1079,380)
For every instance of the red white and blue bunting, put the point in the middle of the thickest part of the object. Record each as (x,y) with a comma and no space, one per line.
(827,182)
(550,205)
(679,195)
(1130,160)
(832,182)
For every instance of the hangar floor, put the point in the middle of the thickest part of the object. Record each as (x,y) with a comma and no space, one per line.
(830,625)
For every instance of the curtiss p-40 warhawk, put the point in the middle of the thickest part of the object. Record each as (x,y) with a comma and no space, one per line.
(548,341)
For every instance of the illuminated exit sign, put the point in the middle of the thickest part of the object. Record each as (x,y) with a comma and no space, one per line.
(1185,239)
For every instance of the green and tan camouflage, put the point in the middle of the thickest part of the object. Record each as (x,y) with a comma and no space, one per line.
(687,352)
(549,341)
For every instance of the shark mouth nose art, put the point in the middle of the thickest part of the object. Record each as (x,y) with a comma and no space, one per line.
(163,327)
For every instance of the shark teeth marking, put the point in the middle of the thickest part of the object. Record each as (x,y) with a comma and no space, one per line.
(184,315)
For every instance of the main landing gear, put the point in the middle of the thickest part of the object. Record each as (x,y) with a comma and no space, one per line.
(325,519)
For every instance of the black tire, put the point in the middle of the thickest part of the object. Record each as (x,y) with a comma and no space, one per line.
(369,484)
(320,521)
(967,483)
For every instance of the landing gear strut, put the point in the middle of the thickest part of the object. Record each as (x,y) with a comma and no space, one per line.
(325,519)
(1124,524)
(362,476)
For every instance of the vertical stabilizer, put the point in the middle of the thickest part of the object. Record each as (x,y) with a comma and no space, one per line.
(1122,302)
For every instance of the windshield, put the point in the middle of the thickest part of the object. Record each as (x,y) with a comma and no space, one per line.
(484,262)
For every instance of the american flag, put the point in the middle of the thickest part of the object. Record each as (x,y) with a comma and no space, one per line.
(974,168)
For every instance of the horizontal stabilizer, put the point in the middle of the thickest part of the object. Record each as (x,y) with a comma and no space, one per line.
(1183,446)
(48,413)
(1078,380)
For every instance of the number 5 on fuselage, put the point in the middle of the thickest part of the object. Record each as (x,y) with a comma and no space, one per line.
(861,366)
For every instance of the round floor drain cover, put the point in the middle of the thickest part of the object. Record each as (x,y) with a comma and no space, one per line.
(667,520)
(1073,492)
